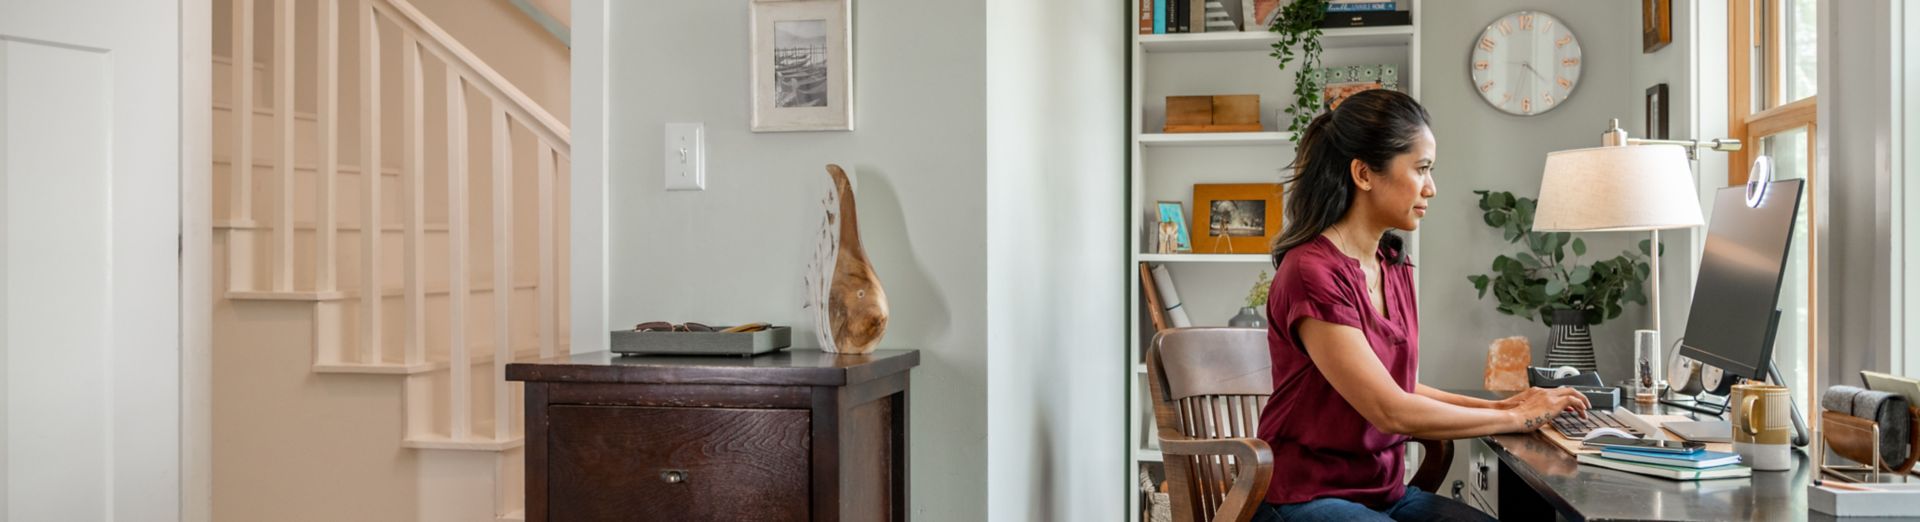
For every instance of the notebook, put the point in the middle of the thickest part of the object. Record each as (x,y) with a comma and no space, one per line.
(1695,460)
(1667,472)
(1891,383)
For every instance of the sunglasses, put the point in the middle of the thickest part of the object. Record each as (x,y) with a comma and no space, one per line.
(663,326)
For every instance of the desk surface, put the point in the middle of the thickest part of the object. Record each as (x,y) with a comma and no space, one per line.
(1594,493)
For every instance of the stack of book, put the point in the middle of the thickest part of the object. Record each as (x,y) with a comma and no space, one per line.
(1364,13)
(1698,465)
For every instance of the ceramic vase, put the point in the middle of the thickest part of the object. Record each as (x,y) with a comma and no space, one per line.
(1571,343)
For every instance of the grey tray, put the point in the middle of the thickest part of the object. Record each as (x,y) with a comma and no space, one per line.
(629,342)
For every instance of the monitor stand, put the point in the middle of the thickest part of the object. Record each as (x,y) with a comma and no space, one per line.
(1800,437)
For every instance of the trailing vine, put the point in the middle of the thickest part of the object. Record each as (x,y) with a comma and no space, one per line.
(1299,28)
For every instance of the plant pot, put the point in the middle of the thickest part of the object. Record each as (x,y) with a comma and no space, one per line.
(1249,317)
(1571,343)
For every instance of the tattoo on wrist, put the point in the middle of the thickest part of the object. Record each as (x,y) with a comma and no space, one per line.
(1536,422)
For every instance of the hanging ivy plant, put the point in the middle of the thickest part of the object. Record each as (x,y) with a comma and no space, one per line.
(1299,29)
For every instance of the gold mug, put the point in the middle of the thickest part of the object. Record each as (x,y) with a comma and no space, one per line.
(1761,427)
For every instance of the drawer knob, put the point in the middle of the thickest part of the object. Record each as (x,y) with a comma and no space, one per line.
(674,476)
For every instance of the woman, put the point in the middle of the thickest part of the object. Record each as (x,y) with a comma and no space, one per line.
(1344,332)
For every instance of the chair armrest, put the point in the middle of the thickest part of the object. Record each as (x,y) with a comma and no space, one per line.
(1253,471)
(1433,466)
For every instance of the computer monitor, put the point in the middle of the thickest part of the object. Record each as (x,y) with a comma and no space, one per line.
(1732,321)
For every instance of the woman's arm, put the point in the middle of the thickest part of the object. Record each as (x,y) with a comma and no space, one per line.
(1455,398)
(1348,363)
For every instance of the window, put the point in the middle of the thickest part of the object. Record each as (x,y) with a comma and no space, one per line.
(1772,68)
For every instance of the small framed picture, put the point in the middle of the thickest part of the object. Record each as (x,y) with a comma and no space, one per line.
(802,65)
(1657,112)
(1656,24)
(1236,218)
(1172,228)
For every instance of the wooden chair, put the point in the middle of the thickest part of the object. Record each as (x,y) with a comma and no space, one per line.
(1209,386)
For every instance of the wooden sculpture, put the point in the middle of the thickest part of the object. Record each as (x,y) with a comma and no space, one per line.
(849,307)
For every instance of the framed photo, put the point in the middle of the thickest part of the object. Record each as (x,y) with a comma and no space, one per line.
(1657,112)
(1172,228)
(1656,24)
(802,65)
(1237,218)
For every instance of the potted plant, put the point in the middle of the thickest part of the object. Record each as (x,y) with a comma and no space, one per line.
(1299,27)
(1253,315)
(1547,280)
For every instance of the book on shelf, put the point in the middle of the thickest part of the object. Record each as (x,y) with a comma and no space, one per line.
(1146,16)
(1695,460)
(1366,19)
(1218,18)
(1338,6)
(1169,298)
(1159,16)
(1665,471)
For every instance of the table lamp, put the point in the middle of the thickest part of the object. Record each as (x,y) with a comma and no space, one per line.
(1648,186)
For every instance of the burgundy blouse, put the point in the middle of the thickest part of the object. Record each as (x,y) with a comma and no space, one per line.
(1322,447)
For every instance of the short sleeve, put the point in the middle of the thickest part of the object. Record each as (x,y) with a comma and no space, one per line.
(1314,290)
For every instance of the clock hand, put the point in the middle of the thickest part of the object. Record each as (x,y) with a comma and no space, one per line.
(1536,74)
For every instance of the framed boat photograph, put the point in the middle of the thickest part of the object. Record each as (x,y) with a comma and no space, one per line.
(802,65)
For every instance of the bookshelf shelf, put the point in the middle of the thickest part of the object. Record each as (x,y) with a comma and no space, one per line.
(1263,41)
(1206,258)
(1215,139)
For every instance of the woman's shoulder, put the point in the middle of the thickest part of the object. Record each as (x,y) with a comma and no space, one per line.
(1313,263)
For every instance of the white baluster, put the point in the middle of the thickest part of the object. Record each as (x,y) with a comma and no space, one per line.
(283,68)
(502,264)
(457,225)
(545,298)
(413,150)
(240,242)
(370,284)
(329,115)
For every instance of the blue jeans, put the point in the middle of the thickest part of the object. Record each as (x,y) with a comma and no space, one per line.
(1415,505)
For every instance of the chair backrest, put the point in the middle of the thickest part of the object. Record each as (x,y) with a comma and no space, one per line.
(1207,383)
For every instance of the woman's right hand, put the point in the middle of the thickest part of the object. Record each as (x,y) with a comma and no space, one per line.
(1540,409)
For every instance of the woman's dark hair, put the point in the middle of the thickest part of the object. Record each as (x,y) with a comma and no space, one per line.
(1371,126)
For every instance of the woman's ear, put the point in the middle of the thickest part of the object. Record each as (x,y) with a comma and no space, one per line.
(1362,176)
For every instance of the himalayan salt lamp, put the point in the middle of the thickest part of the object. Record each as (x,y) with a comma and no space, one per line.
(1507,361)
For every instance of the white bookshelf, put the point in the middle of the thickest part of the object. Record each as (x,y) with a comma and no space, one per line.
(1165,166)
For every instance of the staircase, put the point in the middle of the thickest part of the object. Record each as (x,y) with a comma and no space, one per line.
(409,201)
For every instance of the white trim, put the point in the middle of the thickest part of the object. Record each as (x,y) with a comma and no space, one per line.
(196,260)
(588,187)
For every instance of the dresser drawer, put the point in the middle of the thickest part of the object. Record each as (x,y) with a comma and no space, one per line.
(680,464)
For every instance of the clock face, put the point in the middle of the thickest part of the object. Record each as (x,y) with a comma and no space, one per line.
(1525,63)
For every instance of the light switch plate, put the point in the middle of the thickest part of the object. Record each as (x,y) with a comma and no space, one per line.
(686,156)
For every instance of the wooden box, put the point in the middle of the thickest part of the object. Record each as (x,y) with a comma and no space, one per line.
(1219,113)
(793,435)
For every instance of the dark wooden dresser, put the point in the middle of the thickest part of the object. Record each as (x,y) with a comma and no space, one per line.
(793,435)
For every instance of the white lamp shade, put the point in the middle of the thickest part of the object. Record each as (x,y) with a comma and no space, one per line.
(1639,187)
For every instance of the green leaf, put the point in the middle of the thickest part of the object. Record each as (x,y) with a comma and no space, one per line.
(1500,263)
(1495,219)
(1642,271)
(1580,275)
(1529,261)
(1555,288)
(1503,199)
(1646,247)
(1512,232)
(1579,247)
(1525,206)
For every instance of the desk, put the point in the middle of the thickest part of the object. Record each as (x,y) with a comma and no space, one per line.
(1538,481)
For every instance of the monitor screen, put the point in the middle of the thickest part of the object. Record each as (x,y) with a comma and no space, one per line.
(1731,323)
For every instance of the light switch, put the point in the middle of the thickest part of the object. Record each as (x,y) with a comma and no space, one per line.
(686,157)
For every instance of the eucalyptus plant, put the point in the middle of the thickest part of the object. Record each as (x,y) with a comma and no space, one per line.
(1545,278)
(1299,29)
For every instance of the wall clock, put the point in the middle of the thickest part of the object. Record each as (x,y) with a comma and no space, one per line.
(1525,63)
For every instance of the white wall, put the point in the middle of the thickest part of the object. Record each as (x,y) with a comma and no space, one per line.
(1481,148)
(737,251)
(1056,276)
(1855,153)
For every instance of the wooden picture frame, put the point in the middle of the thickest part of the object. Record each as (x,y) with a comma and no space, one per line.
(1657,112)
(801,65)
(1656,24)
(1235,218)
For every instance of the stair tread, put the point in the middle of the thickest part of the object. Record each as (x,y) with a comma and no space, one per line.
(346,294)
(224,159)
(478,354)
(309,225)
(267,110)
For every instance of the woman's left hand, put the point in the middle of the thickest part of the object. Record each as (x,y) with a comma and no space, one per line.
(1517,399)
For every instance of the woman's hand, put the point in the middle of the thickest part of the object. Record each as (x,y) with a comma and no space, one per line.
(1517,399)
(1545,403)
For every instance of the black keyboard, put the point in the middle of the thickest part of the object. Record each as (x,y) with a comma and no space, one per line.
(1574,427)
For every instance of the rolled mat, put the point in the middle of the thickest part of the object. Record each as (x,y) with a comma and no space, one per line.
(1886,409)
